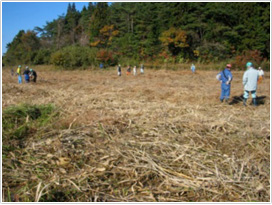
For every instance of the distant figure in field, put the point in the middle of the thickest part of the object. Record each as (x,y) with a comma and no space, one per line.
(261,75)
(193,68)
(134,70)
(119,70)
(250,81)
(12,72)
(225,77)
(128,70)
(26,74)
(18,72)
(142,69)
(101,66)
(33,75)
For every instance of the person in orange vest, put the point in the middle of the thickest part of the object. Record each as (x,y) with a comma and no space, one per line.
(261,75)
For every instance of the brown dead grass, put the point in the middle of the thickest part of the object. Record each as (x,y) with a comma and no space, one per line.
(162,136)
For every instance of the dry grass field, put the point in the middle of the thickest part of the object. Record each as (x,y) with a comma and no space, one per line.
(159,137)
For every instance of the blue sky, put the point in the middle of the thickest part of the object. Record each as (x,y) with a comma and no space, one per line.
(18,16)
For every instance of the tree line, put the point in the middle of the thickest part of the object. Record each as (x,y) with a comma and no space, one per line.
(131,32)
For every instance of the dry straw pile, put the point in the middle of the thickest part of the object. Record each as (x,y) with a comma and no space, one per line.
(162,136)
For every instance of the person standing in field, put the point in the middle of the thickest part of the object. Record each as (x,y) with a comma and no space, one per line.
(12,72)
(225,77)
(261,75)
(135,71)
(193,68)
(26,74)
(128,70)
(33,75)
(142,69)
(18,72)
(250,81)
(119,70)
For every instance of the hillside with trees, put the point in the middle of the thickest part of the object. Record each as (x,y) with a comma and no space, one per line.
(163,32)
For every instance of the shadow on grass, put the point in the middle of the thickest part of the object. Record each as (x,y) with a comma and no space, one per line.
(261,100)
(238,99)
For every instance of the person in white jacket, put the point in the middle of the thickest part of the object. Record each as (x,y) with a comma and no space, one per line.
(135,70)
(142,69)
(250,81)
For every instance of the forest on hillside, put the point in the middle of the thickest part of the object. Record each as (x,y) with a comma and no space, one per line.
(165,32)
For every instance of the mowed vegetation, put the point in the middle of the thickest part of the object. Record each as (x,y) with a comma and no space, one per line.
(81,136)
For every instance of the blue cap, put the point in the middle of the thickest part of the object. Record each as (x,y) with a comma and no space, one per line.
(249,64)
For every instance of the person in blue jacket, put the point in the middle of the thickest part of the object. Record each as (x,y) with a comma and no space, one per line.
(250,81)
(193,68)
(225,77)
(26,74)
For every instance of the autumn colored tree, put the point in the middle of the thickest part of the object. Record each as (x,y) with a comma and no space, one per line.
(174,39)
(98,19)
(106,35)
(106,57)
(181,31)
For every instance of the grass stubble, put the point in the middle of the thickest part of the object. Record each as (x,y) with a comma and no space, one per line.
(158,137)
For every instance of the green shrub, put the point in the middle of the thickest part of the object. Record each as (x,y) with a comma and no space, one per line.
(125,61)
(59,59)
(209,52)
(42,57)
(17,120)
(74,56)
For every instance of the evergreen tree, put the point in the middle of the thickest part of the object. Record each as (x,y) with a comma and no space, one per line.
(213,30)
(23,47)
(71,22)
(99,19)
